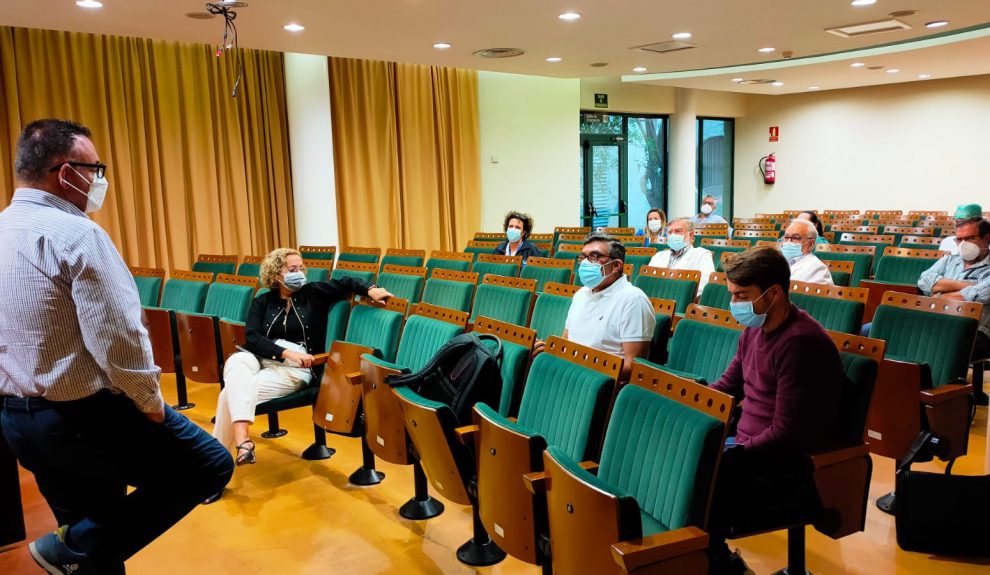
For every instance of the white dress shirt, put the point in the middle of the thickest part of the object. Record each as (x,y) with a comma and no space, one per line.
(620,313)
(808,268)
(690,258)
(70,316)
(949,245)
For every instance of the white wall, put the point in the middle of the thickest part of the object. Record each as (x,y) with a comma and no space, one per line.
(916,145)
(529,149)
(307,87)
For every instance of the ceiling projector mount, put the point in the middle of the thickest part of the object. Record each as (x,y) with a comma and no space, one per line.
(225,8)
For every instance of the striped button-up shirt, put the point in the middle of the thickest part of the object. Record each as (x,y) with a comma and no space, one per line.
(70,317)
(953,268)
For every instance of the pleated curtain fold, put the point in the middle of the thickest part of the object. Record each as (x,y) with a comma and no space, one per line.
(192,170)
(406,154)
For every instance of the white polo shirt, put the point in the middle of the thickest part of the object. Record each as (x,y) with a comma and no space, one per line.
(621,313)
(808,268)
(691,258)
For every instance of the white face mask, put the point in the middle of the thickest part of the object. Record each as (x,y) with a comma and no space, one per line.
(97,191)
(707,209)
(969,251)
(654,225)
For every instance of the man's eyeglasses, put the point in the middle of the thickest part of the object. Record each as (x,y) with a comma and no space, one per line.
(100,169)
(793,239)
(594,257)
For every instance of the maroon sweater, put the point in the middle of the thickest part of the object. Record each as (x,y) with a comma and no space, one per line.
(789,381)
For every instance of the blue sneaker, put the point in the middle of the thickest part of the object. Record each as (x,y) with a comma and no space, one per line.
(52,554)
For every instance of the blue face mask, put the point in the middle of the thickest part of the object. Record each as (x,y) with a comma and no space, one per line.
(744,314)
(513,235)
(293,280)
(590,274)
(676,242)
(791,251)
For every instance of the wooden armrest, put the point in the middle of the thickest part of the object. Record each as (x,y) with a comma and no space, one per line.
(513,419)
(590,466)
(536,482)
(321,358)
(946,392)
(353,378)
(829,458)
(638,553)
(467,433)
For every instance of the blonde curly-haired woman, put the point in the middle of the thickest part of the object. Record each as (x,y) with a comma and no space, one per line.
(285,328)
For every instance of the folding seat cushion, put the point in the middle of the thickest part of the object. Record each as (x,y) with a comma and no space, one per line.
(403,281)
(834,314)
(504,299)
(942,342)
(457,292)
(545,270)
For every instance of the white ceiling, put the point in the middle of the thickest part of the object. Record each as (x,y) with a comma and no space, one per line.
(728,33)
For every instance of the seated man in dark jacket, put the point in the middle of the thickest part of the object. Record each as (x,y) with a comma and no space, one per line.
(285,328)
(788,375)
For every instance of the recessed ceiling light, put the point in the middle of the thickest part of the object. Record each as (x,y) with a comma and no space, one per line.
(441,45)
(777,84)
(893,70)
(736,80)
(812,88)
(89,4)
(570,16)
(554,59)
(293,27)
(937,24)
(681,36)
(856,65)
(766,50)
(924,76)
(639,69)
(859,3)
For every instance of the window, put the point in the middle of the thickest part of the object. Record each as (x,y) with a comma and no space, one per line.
(623,168)
(716,144)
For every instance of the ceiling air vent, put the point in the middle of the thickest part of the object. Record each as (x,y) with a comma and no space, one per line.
(756,81)
(500,53)
(867,28)
(665,47)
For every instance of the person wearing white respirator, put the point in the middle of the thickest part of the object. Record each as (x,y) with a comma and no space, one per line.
(518,226)
(285,327)
(707,214)
(654,230)
(609,313)
(682,254)
(963,214)
(797,245)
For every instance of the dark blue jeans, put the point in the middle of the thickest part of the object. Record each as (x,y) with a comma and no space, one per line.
(85,453)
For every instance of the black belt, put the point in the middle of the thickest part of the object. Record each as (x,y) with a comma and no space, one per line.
(26,404)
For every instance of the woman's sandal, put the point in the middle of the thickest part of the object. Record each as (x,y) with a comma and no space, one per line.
(248,455)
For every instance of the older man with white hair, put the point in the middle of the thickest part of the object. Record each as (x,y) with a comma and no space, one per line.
(797,245)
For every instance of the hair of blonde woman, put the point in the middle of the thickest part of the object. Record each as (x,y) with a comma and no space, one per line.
(271,266)
(663,222)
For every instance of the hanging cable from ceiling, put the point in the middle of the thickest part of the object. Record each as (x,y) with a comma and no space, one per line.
(225,9)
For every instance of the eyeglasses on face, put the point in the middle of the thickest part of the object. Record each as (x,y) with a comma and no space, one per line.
(98,168)
(796,239)
(594,257)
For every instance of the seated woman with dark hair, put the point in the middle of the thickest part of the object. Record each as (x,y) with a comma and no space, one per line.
(285,327)
(517,228)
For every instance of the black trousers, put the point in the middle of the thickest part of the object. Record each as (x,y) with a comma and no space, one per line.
(85,453)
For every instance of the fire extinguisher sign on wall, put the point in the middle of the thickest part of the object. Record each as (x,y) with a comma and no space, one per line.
(774,133)
(768,167)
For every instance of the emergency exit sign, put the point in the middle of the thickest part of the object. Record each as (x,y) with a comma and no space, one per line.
(601,100)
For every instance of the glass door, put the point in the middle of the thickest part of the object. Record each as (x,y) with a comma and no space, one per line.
(604,171)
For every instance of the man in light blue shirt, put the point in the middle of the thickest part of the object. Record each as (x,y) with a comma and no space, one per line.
(81,404)
(708,215)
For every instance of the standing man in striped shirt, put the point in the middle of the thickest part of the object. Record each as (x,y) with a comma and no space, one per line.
(82,407)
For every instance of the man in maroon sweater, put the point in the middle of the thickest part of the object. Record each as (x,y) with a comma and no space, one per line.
(788,376)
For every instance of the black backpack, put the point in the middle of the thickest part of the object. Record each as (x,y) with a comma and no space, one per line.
(463,372)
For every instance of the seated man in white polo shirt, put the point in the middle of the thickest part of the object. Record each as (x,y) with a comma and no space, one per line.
(609,313)
(798,245)
(682,254)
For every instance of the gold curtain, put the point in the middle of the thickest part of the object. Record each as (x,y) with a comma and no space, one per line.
(406,154)
(191,169)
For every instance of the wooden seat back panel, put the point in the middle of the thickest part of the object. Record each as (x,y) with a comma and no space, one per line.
(338,403)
